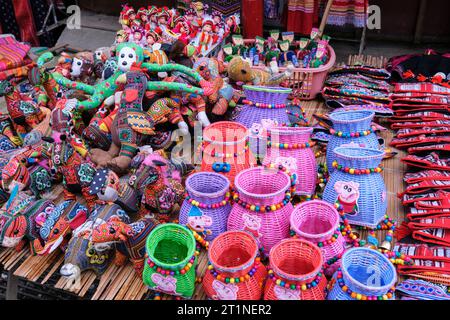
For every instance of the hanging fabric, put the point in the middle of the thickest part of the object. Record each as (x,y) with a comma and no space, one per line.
(302,15)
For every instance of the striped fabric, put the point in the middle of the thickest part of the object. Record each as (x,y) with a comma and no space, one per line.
(302,15)
(13,58)
(348,12)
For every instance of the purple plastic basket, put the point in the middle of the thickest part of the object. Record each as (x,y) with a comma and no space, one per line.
(207,188)
(270,95)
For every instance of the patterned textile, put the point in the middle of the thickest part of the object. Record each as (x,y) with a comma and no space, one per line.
(226,7)
(422,290)
(13,58)
(348,12)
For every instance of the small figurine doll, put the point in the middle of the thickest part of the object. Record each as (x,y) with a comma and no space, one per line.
(142,15)
(206,38)
(287,55)
(182,30)
(152,20)
(137,36)
(219,25)
(321,56)
(162,20)
(121,36)
(152,38)
(302,48)
(189,17)
(232,25)
(127,15)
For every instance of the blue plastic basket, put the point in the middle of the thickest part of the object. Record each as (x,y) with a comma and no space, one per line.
(348,122)
(365,271)
(368,189)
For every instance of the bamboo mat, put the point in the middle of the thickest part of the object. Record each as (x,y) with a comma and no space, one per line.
(122,283)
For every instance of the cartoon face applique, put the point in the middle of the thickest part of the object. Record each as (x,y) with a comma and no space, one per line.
(225,291)
(198,221)
(348,195)
(77,65)
(286,294)
(166,284)
(252,224)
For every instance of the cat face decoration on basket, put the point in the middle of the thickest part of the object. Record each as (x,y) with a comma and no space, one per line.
(357,186)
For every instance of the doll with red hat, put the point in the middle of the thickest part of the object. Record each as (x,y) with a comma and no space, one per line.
(127,15)
(232,25)
(219,25)
(151,13)
(162,19)
(189,17)
(138,36)
(206,38)
(142,15)
(182,30)
(152,37)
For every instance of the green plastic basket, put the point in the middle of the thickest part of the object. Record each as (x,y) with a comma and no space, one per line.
(171,247)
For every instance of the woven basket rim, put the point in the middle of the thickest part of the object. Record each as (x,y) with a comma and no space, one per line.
(267,89)
(293,277)
(257,195)
(378,154)
(208,194)
(368,115)
(245,264)
(313,235)
(289,130)
(245,138)
(387,286)
(151,252)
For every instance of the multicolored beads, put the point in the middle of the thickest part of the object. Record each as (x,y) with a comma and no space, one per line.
(339,167)
(352,134)
(288,146)
(295,286)
(360,296)
(170,272)
(273,207)
(227,155)
(265,105)
(200,205)
(236,280)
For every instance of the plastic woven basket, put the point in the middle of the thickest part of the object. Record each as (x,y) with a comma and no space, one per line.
(306,83)
(301,161)
(233,255)
(363,197)
(350,122)
(364,271)
(262,187)
(318,221)
(222,138)
(171,247)
(208,188)
(295,262)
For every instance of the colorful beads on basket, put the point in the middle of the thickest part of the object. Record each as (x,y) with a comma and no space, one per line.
(295,286)
(352,134)
(360,296)
(182,270)
(288,146)
(239,279)
(217,205)
(336,165)
(226,155)
(266,105)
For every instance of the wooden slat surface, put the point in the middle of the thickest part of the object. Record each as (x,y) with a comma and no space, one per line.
(122,282)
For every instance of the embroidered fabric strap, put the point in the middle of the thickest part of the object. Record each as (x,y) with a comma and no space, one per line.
(443,147)
(431,161)
(426,259)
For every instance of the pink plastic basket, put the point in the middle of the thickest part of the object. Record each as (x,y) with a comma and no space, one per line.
(318,222)
(260,187)
(305,83)
(301,161)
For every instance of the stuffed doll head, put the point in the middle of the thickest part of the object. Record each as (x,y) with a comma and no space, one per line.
(190,15)
(128,54)
(163,16)
(121,36)
(240,70)
(152,38)
(82,65)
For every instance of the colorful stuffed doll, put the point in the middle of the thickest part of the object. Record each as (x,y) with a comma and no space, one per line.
(129,239)
(58,226)
(159,183)
(81,253)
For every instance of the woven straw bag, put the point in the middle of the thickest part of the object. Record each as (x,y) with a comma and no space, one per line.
(172,250)
(296,272)
(209,189)
(366,272)
(235,272)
